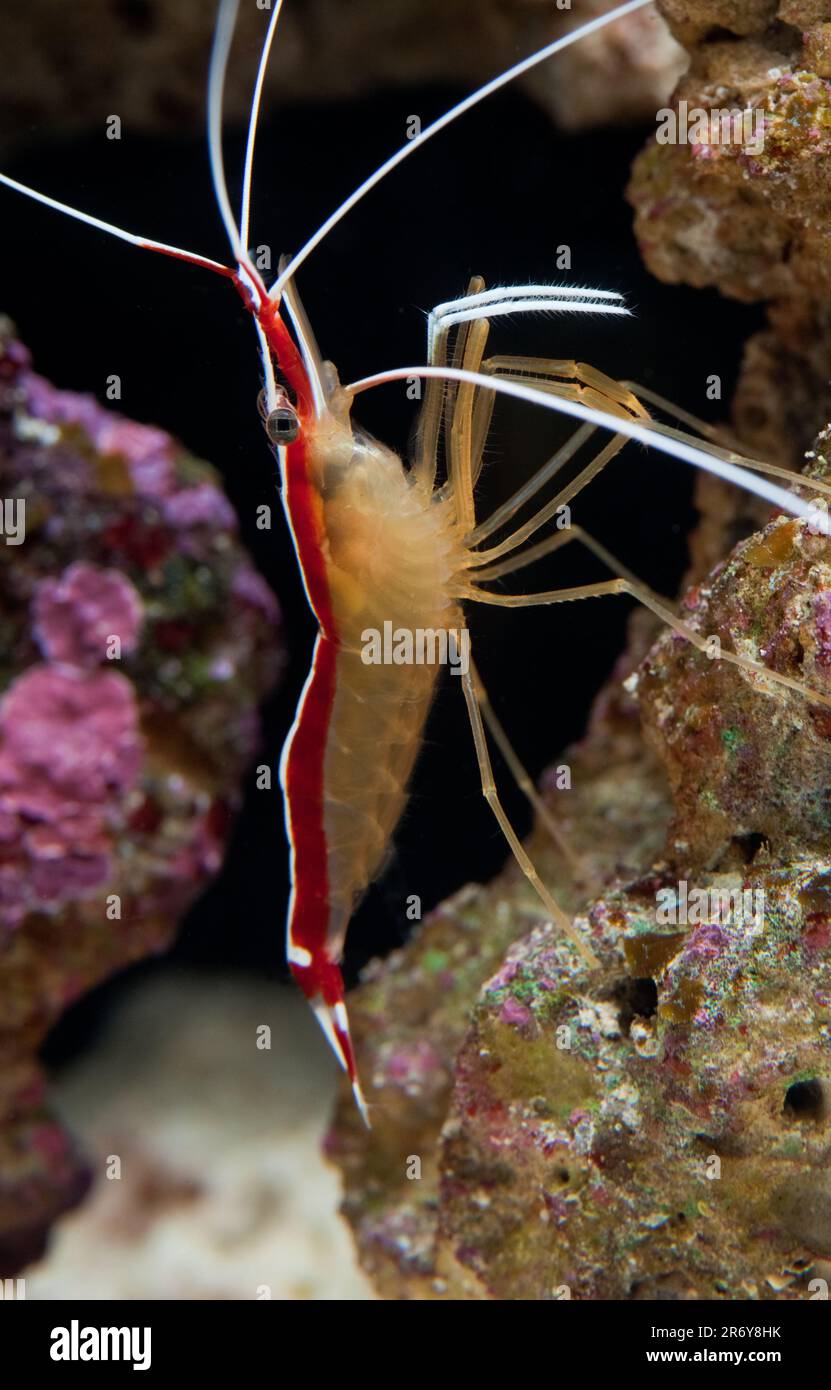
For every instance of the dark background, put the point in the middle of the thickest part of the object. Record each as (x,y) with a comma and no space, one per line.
(495,195)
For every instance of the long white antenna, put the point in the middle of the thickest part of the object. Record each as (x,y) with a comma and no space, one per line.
(253,119)
(223,37)
(429,131)
(123,235)
(633,429)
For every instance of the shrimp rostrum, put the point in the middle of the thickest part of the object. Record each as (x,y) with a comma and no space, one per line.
(394,551)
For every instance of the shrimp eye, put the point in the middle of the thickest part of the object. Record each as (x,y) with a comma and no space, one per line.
(282,425)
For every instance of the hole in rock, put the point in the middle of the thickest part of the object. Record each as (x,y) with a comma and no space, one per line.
(804,1100)
(636,998)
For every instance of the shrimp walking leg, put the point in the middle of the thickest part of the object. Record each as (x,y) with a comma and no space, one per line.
(491,795)
(464,467)
(551,508)
(556,542)
(440,397)
(715,433)
(644,595)
(524,781)
(570,378)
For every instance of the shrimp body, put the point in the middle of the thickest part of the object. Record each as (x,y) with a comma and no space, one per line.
(376,548)
(380,547)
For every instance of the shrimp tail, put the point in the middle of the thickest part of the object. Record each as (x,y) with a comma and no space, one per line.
(322,983)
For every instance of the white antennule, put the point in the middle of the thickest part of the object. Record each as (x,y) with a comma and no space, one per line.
(146,243)
(245,212)
(429,131)
(223,36)
(618,424)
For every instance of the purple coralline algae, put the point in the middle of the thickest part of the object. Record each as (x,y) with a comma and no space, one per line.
(75,614)
(137,643)
(70,757)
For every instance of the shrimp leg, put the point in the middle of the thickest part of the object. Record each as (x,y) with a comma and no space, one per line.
(631,394)
(462,464)
(556,542)
(491,795)
(524,781)
(476,307)
(599,389)
(441,396)
(586,385)
(467,429)
(551,508)
(626,583)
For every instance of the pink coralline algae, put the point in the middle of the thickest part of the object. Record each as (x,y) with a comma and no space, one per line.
(199,506)
(77,614)
(411,1068)
(120,760)
(515,1013)
(146,449)
(70,752)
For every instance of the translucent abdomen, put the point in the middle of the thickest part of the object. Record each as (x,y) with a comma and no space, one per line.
(392,560)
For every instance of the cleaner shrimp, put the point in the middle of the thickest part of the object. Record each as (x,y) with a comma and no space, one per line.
(384,548)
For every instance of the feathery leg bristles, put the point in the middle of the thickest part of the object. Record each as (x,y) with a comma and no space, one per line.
(527,299)
(520,299)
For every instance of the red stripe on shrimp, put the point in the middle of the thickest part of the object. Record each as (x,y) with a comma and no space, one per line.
(302,770)
(304,512)
(302,776)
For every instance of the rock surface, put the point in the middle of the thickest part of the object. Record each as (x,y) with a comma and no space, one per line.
(750,217)
(147,60)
